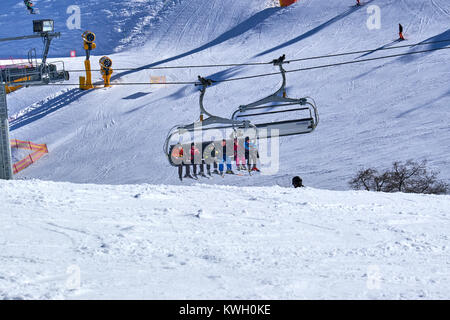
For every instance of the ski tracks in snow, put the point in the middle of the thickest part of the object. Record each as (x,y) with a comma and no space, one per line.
(440,7)
(147,241)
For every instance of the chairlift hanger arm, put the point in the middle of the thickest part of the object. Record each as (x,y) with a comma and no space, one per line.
(279,62)
(212,119)
(278,95)
(205,83)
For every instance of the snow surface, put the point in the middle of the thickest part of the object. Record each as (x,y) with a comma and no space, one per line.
(116,23)
(210,242)
(152,238)
(371,113)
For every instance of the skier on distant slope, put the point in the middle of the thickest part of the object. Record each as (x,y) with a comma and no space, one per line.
(400,32)
(29,6)
(239,155)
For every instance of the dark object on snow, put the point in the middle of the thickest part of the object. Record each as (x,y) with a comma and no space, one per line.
(297,182)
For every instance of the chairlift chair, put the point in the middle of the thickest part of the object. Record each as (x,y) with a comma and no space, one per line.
(203,131)
(278,114)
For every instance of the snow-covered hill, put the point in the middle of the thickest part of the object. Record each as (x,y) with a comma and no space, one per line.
(371,113)
(131,232)
(208,242)
(116,23)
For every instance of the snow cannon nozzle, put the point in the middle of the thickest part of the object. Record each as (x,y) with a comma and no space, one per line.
(105,62)
(88,36)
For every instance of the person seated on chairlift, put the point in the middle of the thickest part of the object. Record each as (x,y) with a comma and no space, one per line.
(210,154)
(239,156)
(194,152)
(225,159)
(251,154)
(202,164)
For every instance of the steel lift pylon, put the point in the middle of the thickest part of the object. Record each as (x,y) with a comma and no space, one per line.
(32,73)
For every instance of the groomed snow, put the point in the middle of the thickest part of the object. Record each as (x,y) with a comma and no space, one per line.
(212,242)
(154,239)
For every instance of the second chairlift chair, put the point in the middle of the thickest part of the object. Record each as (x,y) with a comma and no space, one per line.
(278,112)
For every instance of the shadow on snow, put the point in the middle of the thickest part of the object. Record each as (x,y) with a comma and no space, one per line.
(312,31)
(75,94)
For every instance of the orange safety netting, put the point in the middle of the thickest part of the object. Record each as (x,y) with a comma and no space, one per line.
(39,151)
(285,3)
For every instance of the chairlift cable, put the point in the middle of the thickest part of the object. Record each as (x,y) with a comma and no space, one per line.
(269,63)
(266,74)
(332,65)
(368,51)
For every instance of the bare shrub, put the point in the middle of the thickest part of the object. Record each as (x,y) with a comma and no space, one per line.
(408,177)
(368,179)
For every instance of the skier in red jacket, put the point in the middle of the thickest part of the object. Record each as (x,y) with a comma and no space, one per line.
(400,32)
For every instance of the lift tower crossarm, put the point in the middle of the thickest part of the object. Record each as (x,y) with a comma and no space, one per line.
(47,36)
(34,36)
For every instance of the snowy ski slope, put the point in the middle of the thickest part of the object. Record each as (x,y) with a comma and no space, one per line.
(371,113)
(117,24)
(159,240)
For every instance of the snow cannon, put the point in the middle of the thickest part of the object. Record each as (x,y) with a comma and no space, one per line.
(89,44)
(106,70)
(89,38)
